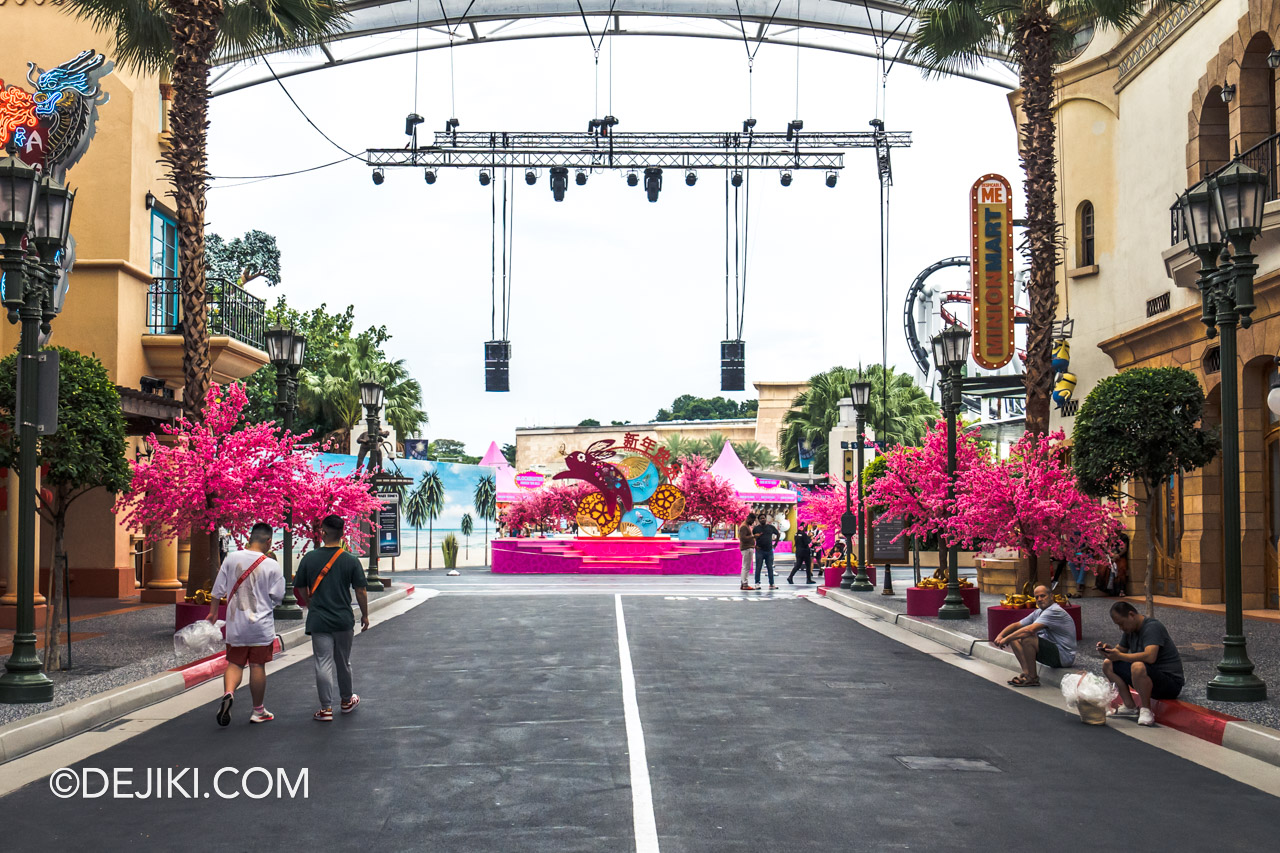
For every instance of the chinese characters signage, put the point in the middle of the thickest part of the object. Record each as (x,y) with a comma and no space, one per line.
(991,271)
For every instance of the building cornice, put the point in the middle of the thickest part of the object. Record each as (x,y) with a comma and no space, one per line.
(115,264)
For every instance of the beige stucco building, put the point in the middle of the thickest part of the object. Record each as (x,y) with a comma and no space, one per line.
(1141,117)
(121,306)
(542,448)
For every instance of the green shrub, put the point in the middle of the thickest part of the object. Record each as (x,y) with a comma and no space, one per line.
(450,548)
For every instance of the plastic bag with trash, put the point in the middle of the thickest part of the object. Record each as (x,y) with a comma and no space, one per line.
(199,639)
(1090,695)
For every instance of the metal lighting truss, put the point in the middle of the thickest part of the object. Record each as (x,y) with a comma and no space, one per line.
(639,151)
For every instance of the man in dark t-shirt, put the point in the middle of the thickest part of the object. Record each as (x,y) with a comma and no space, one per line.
(766,534)
(323,584)
(804,557)
(1146,659)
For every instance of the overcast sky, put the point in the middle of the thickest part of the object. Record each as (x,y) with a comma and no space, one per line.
(618,304)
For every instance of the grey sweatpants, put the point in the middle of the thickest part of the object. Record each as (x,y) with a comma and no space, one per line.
(332,656)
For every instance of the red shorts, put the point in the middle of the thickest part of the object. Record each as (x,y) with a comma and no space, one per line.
(245,655)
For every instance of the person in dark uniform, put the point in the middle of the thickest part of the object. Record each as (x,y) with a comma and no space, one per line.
(804,556)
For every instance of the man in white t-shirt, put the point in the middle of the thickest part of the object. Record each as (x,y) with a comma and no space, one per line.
(253,585)
(1047,636)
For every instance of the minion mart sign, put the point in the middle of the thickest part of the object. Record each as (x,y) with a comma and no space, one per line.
(991,270)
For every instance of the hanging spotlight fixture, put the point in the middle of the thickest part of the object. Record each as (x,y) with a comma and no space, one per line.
(653,182)
(484,177)
(429,176)
(497,365)
(733,361)
(632,178)
(736,180)
(690,177)
(831,179)
(379,176)
(785,177)
(581,178)
(530,177)
(559,182)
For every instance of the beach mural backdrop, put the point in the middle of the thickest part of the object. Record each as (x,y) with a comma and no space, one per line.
(459,485)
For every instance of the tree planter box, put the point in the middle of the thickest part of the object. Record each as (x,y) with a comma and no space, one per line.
(1000,617)
(184,614)
(927,602)
(833,574)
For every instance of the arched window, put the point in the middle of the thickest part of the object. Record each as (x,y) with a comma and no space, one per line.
(1084,235)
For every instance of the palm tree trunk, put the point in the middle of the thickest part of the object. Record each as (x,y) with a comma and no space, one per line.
(416,532)
(1037,148)
(430,546)
(194,27)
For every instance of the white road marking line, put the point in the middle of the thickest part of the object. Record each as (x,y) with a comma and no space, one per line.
(646,825)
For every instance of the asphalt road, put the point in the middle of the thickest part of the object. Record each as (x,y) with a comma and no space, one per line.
(496,723)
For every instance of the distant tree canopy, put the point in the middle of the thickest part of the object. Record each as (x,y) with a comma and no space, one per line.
(509,453)
(450,450)
(255,255)
(589,422)
(687,407)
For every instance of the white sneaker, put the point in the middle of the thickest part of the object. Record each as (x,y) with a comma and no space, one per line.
(1125,713)
(1146,718)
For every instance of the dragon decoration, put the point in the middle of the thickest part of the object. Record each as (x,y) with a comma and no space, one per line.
(52,126)
(630,495)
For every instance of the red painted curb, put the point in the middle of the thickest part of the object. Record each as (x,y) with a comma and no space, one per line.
(1192,719)
(211,667)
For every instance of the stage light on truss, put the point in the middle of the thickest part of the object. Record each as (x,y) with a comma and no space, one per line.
(785,177)
(429,176)
(632,178)
(690,177)
(736,180)
(559,182)
(530,177)
(581,178)
(379,176)
(484,177)
(831,179)
(653,182)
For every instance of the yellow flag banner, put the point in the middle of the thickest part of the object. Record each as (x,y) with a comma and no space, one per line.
(991,271)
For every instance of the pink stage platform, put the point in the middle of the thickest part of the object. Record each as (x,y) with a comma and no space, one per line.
(616,555)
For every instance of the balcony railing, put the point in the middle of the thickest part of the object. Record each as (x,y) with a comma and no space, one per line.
(1262,157)
(233,311)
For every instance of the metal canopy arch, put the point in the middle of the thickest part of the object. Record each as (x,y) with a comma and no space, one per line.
(385,28)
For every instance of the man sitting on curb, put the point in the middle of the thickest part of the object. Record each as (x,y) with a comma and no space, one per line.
(1047,635)
(1146,660)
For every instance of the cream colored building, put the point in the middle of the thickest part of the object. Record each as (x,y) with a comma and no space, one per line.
(119,306)
(1141,117)
(542,448)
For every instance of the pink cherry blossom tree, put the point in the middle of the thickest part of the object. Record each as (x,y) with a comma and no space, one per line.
(823,506)
(914,485)
(320,491)
(708,498)
(1033,502)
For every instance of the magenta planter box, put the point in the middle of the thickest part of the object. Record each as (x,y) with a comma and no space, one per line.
(1000,617)
(833,575)
(927,602)
(184,614)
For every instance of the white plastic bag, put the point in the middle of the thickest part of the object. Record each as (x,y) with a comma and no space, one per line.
(199,639)
(1091,695)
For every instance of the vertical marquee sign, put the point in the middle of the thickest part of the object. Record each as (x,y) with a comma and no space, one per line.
(991,271)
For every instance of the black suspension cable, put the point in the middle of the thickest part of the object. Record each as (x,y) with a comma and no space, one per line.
(504,255)
(746,242)
(304,112)
(493,260)
(726,253)
(511,264)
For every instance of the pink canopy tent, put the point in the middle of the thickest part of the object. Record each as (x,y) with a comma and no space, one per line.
(504,475)
(748,489)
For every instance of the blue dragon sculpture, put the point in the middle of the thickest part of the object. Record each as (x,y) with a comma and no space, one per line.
(53,125)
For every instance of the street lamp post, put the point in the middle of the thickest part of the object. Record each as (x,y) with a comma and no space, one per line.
(371,394)
(860,395)
(950,353)
(35,217)
(1227,210)
(287,348)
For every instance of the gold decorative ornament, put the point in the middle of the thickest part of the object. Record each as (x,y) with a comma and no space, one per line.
(633,466)
(667,502)
(593,511)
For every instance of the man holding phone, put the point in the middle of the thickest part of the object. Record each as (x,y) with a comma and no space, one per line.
(1145,659)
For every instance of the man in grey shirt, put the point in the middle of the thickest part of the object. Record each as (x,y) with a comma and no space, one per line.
(1048,635)
(1145,659)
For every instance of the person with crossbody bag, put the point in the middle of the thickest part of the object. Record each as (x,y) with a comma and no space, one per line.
(323,584)
(252,584)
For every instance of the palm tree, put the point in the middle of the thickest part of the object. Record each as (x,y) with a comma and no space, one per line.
(181,37)
(958,34)
(679,446)
(466,525)
(430,493)
(815,412)
(485,502)
(415,512)
(332,393)
(754,454)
